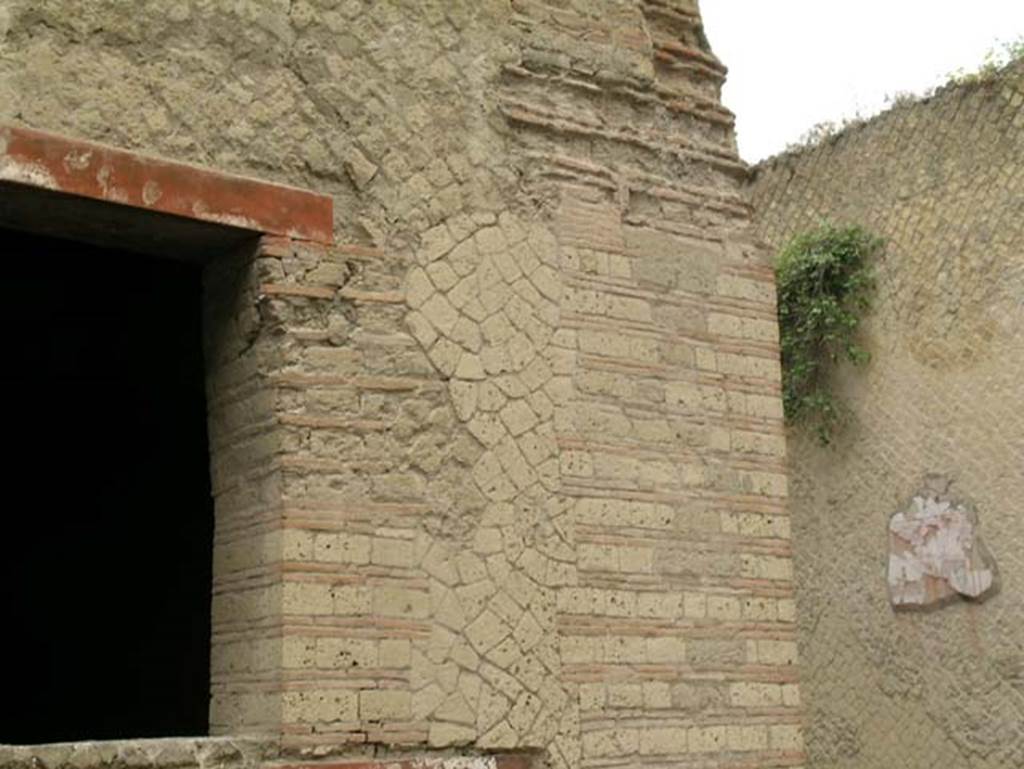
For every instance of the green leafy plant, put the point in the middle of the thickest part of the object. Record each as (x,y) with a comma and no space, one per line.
(819,133)
(824,279)
(998,57)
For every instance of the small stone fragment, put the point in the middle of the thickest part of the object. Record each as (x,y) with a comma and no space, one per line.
(359,168)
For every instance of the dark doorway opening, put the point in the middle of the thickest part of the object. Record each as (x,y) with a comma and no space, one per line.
(105,576)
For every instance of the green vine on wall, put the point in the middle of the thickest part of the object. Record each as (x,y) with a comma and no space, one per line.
(824,280)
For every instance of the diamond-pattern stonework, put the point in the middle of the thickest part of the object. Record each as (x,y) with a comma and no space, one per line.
(942,182)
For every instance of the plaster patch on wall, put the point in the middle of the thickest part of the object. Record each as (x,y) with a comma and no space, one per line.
(32,174)
(935,550)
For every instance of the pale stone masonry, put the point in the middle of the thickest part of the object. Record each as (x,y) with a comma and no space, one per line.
(505,468)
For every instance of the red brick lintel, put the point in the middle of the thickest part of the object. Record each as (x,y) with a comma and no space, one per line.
(42,160)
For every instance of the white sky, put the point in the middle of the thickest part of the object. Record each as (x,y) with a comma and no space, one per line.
(795,63)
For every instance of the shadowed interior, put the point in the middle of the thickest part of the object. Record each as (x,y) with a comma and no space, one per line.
(106,576)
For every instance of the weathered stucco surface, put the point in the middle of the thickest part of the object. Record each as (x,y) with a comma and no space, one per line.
(504,468)
(223,753)
(943,182)
(167,753)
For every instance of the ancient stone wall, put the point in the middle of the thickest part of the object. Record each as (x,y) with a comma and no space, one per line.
(504,468)
(943,182)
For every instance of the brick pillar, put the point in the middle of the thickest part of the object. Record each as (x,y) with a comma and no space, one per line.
(317,596)
(246,445)
(520,484)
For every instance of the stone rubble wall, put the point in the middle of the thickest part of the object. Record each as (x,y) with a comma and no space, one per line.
(164,753)
(943,182)
(226,753)
(504,469)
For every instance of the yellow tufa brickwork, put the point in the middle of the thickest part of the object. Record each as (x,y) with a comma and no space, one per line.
(942,182)
(505,470)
